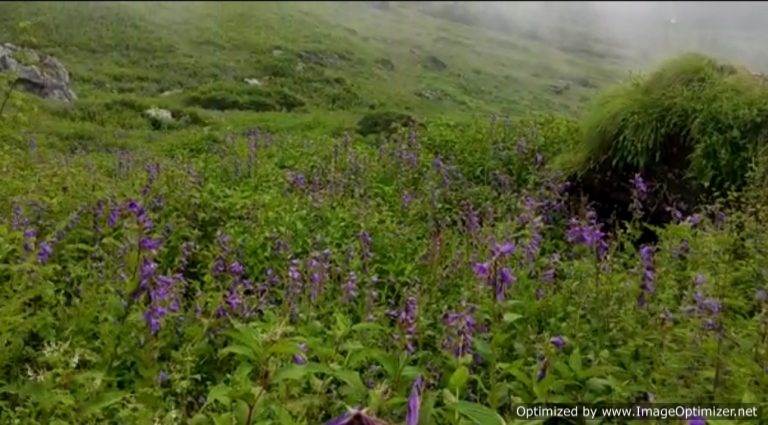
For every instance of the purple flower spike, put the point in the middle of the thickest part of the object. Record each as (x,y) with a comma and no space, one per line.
(114,216)
(697,420)
(236,269)
(694,219)
(149,244)
(460,329)
(45,252)
(414,402)
(482,270)
(558,341)
(504,279)
(300,358)
(648,276)
(500,250)
(350,287)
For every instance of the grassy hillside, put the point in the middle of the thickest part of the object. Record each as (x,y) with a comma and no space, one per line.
(347,57)
(258,260)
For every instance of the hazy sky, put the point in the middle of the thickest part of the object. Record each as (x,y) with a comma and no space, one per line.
(732,30)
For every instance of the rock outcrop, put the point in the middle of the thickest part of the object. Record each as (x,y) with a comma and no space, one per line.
(37,73)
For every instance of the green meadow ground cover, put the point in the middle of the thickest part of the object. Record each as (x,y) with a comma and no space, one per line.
(260,261)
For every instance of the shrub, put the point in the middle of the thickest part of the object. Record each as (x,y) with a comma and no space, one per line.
(383,122)
(233,96)
(692,128)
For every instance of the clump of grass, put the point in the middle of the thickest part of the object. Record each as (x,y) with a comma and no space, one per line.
(225,96)
(383,122)
(693,127)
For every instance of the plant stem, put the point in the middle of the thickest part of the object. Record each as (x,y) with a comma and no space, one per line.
(7,97)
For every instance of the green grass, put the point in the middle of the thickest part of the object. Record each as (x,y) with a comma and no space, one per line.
(148,48)
(699,118)
(250,176)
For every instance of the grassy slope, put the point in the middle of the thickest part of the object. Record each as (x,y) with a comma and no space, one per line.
(145,49)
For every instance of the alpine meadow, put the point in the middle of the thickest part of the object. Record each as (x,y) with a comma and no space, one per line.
(380,212)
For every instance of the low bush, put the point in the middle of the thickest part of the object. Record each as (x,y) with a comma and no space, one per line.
(691,129)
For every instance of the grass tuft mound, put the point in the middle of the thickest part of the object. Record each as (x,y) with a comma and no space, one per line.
(692,129)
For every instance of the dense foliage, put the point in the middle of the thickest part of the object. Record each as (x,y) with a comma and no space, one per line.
(265,278)
(228,227)
(693,127)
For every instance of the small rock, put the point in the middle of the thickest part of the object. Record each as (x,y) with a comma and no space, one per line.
(252,82)
(159,117)
(38,74)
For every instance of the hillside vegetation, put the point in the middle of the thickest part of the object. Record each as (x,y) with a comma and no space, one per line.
(385,228)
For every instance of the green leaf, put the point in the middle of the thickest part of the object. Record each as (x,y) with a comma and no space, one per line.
(219,393)
(479,414)
(103,400)
(575,361)
(239,350)
(458,379)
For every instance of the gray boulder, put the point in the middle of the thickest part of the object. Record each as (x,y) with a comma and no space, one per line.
(41,75)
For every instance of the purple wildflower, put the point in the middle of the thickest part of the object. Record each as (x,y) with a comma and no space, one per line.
(699,279)
(45,252)
(29,235)
(162,296)
(149,244)
(471,220)
(407,198)
(18,220)
(558,341)
(639,193)
(406,321)
(236,269)
(696,420)
(543,367)
(350,287)
(298,180)
(152,316)
(219,267)
(504,249)
(548,275)
(482,270)
(300,358)
(534,244)
(503,280)
(233,299)
(147,270)
(588,233)
(318,273)
(414,402)
(460,328)
(114,216)
(720,218)
(649,274)
(694,219)
(366,243)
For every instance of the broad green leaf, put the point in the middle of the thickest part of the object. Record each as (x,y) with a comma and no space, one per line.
(479,414)
(458,380)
